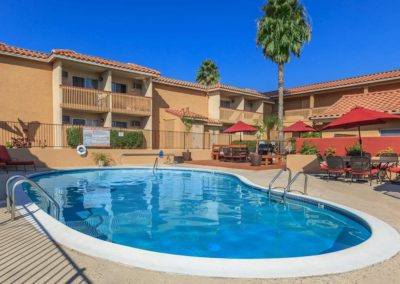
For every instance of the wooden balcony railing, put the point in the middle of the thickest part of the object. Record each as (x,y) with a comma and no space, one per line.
(252,117)
(102,101)
(85,99)
(128,104)
(228,115)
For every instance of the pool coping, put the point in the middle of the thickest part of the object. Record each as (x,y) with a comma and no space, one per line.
(383,244)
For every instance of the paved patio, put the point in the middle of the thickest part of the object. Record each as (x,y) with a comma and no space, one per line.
(28,256)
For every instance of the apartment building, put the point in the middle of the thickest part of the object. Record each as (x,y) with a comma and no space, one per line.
(319,104)
(65,87)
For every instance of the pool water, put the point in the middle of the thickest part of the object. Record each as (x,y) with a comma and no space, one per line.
(195,213)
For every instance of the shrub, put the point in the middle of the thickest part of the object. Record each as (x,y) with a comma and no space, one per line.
(308,148)
(316,134)
(102,157)
(354,150)
(330,151)
(251,145)
(130,139)
(74,136)
(388,150)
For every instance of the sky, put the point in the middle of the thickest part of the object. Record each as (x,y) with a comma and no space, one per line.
(349,37)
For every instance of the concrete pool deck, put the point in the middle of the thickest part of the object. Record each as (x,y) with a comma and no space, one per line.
(27,255)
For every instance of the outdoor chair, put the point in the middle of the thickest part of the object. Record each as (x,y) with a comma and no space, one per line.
(390,163)
(226,154)
(6,158)
(322,164)
(336,166)
(3,166)
(238,154)
(361,166)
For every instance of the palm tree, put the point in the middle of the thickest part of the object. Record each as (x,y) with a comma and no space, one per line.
(282,31)
(208,74)
(269,123)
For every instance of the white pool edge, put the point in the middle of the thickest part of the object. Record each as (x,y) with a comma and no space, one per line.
(383,244)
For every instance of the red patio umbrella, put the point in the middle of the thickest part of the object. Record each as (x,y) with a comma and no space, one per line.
(240,127)
(299,127)
(358,117)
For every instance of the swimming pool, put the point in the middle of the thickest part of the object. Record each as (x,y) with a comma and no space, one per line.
(204,222)
(195,213)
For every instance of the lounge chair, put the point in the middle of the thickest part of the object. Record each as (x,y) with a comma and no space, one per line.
(361,166)
(6,159)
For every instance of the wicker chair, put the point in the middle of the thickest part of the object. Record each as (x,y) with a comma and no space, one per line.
(361,166)
(336,166)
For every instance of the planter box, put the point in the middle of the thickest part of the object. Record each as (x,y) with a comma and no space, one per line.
(305,163)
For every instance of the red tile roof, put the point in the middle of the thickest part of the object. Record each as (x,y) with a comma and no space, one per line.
(22,51)
(187,113)
(339,83)
(74,55)
(386,101)
(216,87)
(66,53)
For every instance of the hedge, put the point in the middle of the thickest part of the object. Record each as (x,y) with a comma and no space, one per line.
(130,139)
(74,136)
(251,145)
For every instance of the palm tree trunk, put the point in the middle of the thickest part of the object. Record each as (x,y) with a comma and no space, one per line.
(280,106)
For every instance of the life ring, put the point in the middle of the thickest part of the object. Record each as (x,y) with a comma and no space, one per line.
(81,150)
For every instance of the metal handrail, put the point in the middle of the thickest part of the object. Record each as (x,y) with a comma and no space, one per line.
(34,184)
(8,191)
(287,188)
(276,177)
(155,166)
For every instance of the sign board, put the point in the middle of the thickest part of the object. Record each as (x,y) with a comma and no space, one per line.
(96,137)
(120,134)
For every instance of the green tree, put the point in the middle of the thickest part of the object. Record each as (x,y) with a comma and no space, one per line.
(188,123)
(282,31)
(208,73)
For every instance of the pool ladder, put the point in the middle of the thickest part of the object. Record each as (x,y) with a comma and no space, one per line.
(291,180)
(10,200)
(155,166)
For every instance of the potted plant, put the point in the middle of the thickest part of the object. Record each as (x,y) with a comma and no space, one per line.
(355,150)
(188,122)
(330,151)
(102,159)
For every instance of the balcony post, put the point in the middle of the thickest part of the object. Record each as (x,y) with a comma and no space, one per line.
(57,99)
(312,103)
(107,86)
(148,121)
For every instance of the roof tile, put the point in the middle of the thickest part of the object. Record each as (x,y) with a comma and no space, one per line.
(386,101)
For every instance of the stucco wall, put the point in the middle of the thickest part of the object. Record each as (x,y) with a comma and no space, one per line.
(59,158)
(25,90)
(165,96)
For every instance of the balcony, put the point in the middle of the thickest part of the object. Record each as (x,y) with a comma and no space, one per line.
(101,101)
(130,104)
(228,115)
(85,99)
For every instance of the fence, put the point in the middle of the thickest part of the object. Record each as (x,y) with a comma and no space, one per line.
(34,134)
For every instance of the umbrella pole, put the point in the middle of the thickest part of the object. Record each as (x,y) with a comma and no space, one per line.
(360,140)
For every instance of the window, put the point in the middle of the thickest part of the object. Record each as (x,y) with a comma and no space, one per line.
(226,104)
(135,123)
(118,88)
(86,122)
(390,132)
(66,119)
(248,106)
(78,121)
(137,86)
(85,82)
(120,124)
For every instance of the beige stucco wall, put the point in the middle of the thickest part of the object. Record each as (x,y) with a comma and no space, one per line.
(165,96)
(304,163)
(25,90)
(58,158)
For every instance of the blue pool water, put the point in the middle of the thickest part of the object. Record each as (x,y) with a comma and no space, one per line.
(195,213)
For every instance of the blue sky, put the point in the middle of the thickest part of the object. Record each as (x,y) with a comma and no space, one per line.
(350,37)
